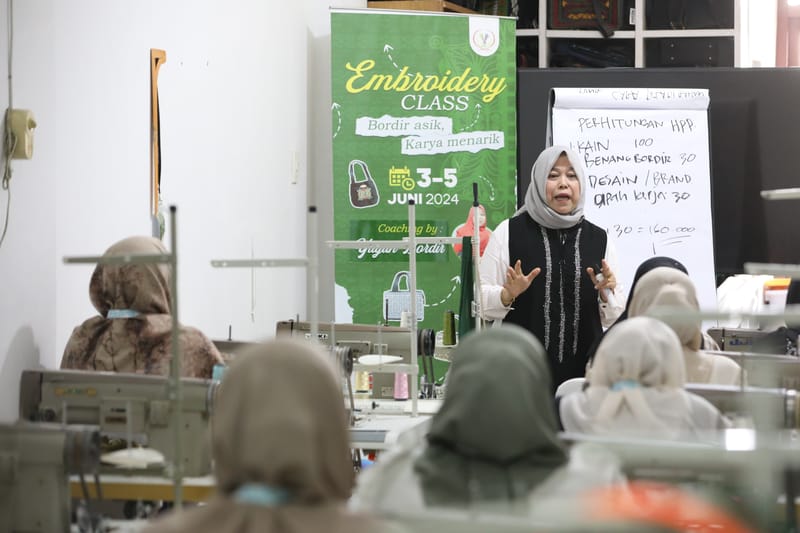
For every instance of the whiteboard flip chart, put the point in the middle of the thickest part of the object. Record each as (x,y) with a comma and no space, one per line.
(646,154)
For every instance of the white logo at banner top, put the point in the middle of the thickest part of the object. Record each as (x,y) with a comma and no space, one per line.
(484,35)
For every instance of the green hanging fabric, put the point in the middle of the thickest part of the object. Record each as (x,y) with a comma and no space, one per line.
(466,322)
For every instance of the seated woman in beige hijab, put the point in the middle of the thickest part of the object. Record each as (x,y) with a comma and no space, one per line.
(492,443)
(667,287)
(636,389)
(133,332)
(280,445)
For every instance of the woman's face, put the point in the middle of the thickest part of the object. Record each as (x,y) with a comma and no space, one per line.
(563,188)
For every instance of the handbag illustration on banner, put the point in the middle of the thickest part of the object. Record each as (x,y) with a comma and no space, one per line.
(363,192)
(397,300)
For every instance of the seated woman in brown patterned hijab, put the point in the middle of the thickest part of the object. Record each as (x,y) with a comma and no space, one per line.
(133,332)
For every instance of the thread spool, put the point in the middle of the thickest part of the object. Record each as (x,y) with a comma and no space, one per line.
(362,381)
(449,335)
(401,386)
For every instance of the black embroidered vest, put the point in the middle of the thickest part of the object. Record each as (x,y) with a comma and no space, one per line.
(560,307)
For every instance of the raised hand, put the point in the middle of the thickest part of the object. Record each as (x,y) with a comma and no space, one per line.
(517,282)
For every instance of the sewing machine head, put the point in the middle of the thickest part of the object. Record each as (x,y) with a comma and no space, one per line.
(362,339)
(36,461)
(125,406)
(736,339)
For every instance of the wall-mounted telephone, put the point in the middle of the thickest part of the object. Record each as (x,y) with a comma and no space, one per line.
(22,126)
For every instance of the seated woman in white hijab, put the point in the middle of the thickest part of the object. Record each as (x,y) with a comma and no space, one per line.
(671,288)
(636,389)
(493,441)
(281,448)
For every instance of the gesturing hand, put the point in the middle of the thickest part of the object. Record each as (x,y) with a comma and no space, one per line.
(516,282)
(606,281)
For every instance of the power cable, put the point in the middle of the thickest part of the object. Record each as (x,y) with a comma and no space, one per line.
(9,141)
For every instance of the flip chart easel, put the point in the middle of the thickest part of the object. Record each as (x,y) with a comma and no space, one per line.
(646,153)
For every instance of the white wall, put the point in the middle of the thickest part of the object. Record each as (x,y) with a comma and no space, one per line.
(759,32)
(239,91)
(28,254)
(233,119)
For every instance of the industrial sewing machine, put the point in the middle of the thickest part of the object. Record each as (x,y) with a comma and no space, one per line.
(767,370)
(755,474)
(132,407)
(735,339)
(364,339)
(767,408)
(36,461)
(378,424)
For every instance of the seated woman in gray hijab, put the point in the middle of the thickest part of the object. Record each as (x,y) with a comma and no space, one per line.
(280,445)
(491,444)
(636,389)
(133,331)
(671,288)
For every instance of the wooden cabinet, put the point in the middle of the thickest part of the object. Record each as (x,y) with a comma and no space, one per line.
(645,47)
(419,5)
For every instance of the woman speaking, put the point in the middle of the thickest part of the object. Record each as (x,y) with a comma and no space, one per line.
(540,268)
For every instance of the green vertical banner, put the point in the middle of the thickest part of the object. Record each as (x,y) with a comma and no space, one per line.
(424,105)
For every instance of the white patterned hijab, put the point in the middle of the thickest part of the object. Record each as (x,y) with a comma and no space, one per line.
(636,388)
(536,196)
(669,288)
